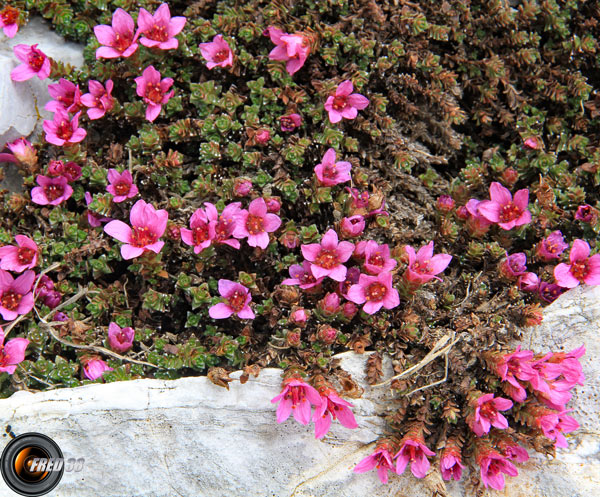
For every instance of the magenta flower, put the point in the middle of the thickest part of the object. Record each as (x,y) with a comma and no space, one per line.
(45,287)
(262,136)
(423,266)
(528,282)
(148,225)
(583,268)
(563,364)
(377,258)
(290,122)
(502,210)
(95,368)
(35,63)
(549,292)
(328,256)
(477,224)
(492,466)
(20,258)
(551,247)
(153,90)
(16,297)
(118,40)
(531,143)
(359,200)
(513,266)
(352,277)
(329,305)
(71,171)
(330,173)
(99,99)
(120,339)
(121,185)
(332,406)
(23,151)
(159,30)
(217,52)
(381,459)
(375,292)
(296,397)
(242,187)
(273,205)
(63,130)
(487,415)
(353,226)
(293,49)
(555,394)
(511,449)
(299,316)
(256,224)
(11,353)
(516,366)
(555,424)
(451,463)
(345,104)
(9,17)
(198,236)
(93,219)
(221,227)
(302,276)
(586,213)
(238,298)
(67,96)
(52,191)
(415,452)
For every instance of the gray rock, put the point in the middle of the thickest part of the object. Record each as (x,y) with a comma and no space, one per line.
(189,437)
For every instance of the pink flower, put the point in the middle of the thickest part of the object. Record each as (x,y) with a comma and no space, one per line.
(423,266)
(531,143)
(273,204)
(511,449)
(359,200)
(516,366)
(256,224)
(52,191)
(95,368)
(415,452)
(551,247)
(445,203)
(148,224)
(153,90)
(71,171)
(332,406)
(345,104)
(487,415)
(66,94)
(16,297)
(35,63)
(329,305)
(492,466)
(381,459)
(583,268)
(477,224)
(9,17)
(296,397)
(45,287)
(118,40)
(586,213)
(554,394)
(242,187)
(528,282)
(555,424)
(330,173)
(513,266)
(121,185)
(120,340)
(328,257)
(61,130)
(159,30)
(290,122)
(562,364)
(20,258)
(451,463)
(351,227)
(52,299)
(293,49)
(262,136)
(198,236)
(23,151)
(11,353)
(299,316)
(549,292)
(217,52)
(302,276)
(99,99)
(238,299)
(502,210)
(221,227)
(377,258)
(375,292)
(93,219)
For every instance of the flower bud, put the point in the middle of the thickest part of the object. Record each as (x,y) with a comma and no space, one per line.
(327,334)
(299,317)
(55,167)
(349,310)
(532,143)
(241,187)
(292,338)
(351,227)
(510,176)
(528,282)
(445,203)
(52,299)
(329,305)
(273,205)
(262,136)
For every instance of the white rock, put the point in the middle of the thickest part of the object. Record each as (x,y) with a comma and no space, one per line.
(191,438)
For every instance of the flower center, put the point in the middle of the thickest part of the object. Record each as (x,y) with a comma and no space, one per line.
(200,234)
(142,236)
(287,124)
(340,103)
(375,291)
(64,130)
(297,396)
(327,259)
(9,15)
(25,255)
(157,33)
(376,260)
(122,188)
(121,337)
(221,55)
(35,59)
(307,279)
(580,269)
(154,93)
(487,410)
(122,43)
(53,192)
(509,212)
(224,228)
(254,224)
(10,300)
(237,300)
(421,267)
(330,171)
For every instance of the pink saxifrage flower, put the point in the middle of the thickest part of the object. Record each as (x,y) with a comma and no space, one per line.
(290,122)
(20,258)
(331,173)
(66,95)
(62,130)
(423,265)
(377,258)
(583,268)
(296,397)
(332,407)
(415,452)
(23,151)
(12,353)
(52,191)
(513,266)
(381,459)
(374,292)
(99,100)
(16,296)
(302,276)
(118,40)
(256,223)
(503,210)
(492,465)
(199,234)
(221,227)
(120,339)
(553,425)
(121,185)
(345,104)
(510,449)
(71,171)
(95,368)
(565,364)
(451,463)
(154,91)
(94,219)
(147,226)
(9,17)
(237,298)
(327,257)
(291,48)
(217,53)
(528,282)
(159,30)
(551,247)
(35,63)
(351,227)
(586,213)
(486,414)
(549,292)
(513,367)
